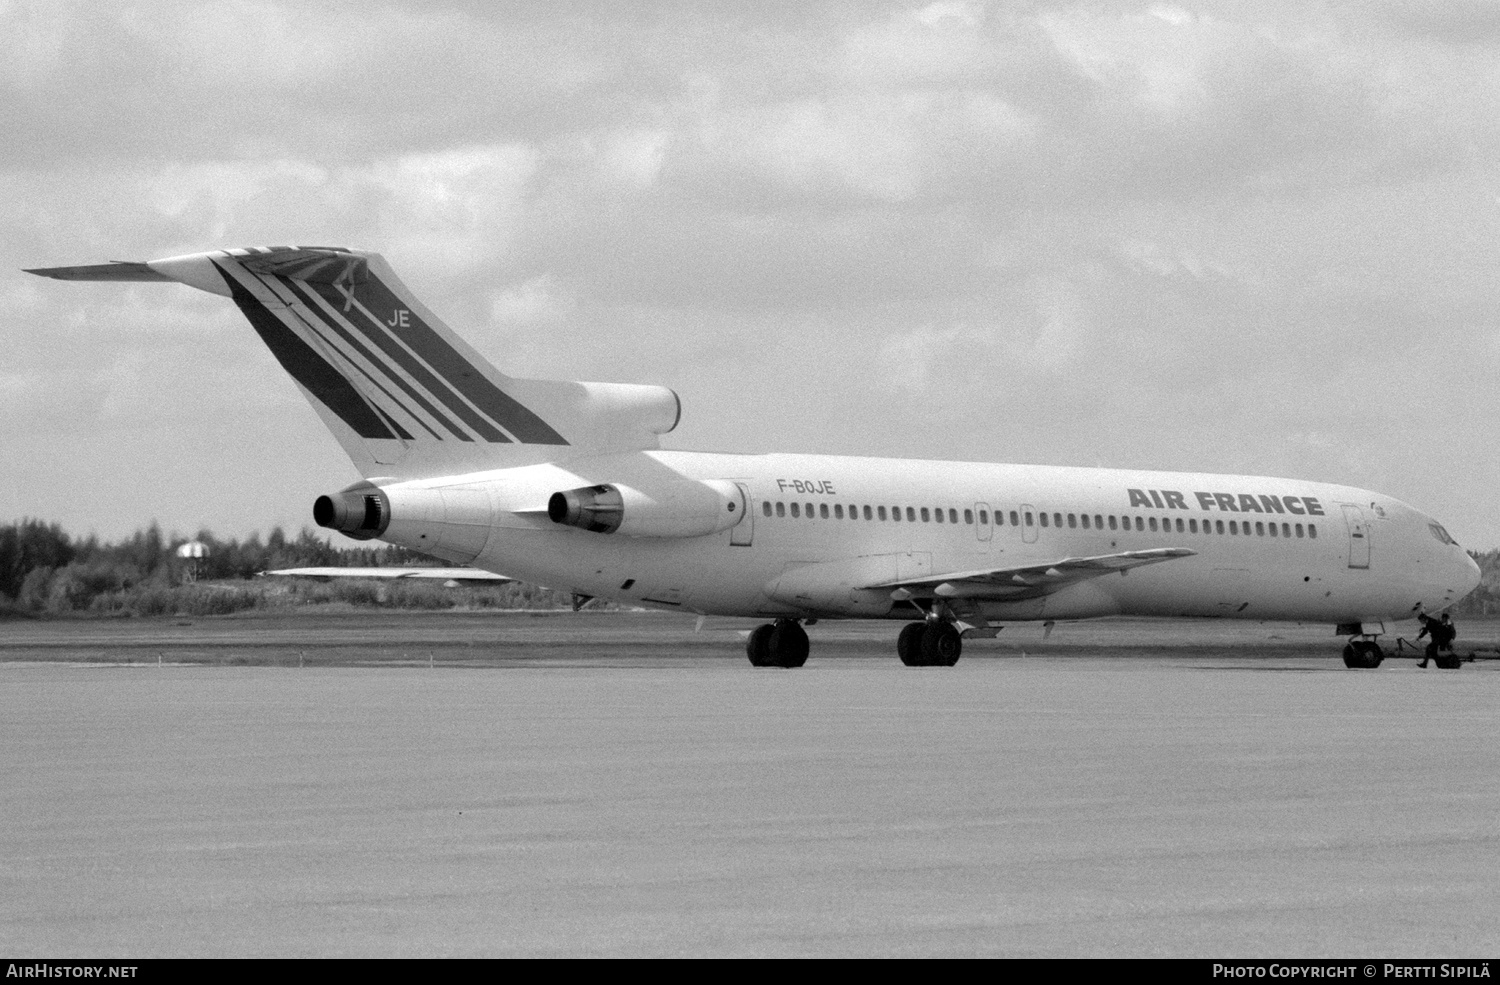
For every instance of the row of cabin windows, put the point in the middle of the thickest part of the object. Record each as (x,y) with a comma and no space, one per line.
(913,513)
(939,514)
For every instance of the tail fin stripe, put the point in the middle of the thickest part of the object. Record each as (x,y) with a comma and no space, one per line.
(395,425)
(442,421)
(401,357)
(309,369)
(343,358)
(381,306)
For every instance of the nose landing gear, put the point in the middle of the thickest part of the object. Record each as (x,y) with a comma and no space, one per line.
(1363,654)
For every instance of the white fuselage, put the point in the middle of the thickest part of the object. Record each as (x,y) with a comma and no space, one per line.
(1300,551)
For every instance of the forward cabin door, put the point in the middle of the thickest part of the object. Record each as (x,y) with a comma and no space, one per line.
(1359,537)
(982,526)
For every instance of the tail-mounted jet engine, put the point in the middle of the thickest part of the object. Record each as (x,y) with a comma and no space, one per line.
(362,514)
(680,509)
(451,522)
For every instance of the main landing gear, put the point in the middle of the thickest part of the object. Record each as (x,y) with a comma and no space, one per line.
(921,644)
(929,644)
(779,644)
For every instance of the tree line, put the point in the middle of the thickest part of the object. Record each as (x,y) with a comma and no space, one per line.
(45,571)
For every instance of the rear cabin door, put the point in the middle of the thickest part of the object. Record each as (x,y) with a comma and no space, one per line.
(743,533)
(1359,537)
(982,526)
(1028,523)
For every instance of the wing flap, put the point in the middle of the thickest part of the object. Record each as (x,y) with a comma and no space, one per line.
(1029,580)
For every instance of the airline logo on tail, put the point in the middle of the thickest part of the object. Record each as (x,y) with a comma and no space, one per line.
(365,354)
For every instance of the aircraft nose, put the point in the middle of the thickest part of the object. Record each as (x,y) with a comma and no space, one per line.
(1470,577)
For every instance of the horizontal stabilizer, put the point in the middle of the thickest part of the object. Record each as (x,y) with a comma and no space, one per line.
(118,270)
(1029,580)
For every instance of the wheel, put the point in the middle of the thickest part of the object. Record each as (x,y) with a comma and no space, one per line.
(1353,659)
(941,645)
(909,643)
(1363,655)
(788,644)
(1373,654)
(758,646)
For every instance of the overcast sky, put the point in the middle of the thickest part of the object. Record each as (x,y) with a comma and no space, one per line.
(1231,237)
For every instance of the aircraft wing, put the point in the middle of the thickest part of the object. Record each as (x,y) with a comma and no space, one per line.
(445,575)
(1028,580)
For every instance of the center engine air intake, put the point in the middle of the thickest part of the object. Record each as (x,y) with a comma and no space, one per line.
(679,509)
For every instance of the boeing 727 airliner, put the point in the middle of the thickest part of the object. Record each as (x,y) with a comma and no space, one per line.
(565,484)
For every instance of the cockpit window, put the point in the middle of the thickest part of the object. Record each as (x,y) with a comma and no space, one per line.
(1441,534)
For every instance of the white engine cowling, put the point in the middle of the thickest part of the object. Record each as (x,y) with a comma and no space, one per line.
(686,508)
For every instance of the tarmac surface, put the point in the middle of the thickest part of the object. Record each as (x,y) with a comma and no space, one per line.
(615,784)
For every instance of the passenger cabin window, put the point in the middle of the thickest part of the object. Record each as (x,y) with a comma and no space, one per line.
(1028,519)
(926,515)
(1312,531)
(1073,521)
(1013,522)
(823,510)
(867,512)
(1153,524)
(795,510)
(838,511)
(939,513)
(1044,519)
(1140,525)
(911,514)
(765,507)
(984,517)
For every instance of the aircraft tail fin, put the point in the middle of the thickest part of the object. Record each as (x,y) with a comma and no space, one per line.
(402,393)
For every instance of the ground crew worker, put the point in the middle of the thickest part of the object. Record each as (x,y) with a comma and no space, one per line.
(1441,634)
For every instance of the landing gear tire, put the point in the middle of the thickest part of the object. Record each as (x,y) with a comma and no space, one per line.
(758,646)
(788,644)
(1363,655)
(909,643)
(941,645)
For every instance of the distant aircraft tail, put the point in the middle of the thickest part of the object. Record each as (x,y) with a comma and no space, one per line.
(404,395)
